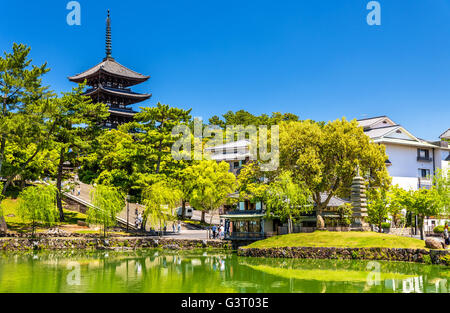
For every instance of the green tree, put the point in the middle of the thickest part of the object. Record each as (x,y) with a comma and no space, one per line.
(24,113)
(441,182)
(422,202)
(287,199)
(160,200)
(153,134)
(325,156)
(3,227)
(38,204)
(378,206)
(77,122)
(211,184)
(252,182)
(108,202)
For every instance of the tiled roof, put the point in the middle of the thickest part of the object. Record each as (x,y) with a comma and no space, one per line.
(380,132)
(231,145)
(137,97)
(370,121)
(334,201)
(112,67)
(445,135)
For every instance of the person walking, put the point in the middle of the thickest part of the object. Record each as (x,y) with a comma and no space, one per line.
(179,227)
(214,230)
(446,237)
(221,232)
(173,227)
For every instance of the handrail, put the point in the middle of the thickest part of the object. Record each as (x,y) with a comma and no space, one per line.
(90,205)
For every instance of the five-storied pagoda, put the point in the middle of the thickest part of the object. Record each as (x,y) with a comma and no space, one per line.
(110,82)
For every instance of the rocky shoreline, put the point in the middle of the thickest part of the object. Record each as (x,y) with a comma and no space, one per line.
(112,243)
(387,254)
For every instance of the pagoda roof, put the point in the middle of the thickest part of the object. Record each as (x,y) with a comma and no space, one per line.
(117,111)
(109,66)
(135,97)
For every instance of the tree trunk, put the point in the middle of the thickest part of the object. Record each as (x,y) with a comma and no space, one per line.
(183,209)
(2,153)
(289,222)
(144,223)
(421,220)
(59,185)
(203,217)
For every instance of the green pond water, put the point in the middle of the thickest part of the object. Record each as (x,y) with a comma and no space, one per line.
(207,271)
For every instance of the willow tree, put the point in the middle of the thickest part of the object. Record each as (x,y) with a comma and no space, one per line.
(108,202)
(38,204)
(160,199)
(287,199)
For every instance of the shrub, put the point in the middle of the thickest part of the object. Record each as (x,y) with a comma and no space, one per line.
(438,229)
(386,225)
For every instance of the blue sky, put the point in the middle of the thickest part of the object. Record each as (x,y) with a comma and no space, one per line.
(317,59)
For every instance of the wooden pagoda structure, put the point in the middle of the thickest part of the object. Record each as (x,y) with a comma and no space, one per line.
(109,83)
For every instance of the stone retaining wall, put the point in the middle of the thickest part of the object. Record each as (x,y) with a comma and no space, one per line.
(122,243)
(388,254)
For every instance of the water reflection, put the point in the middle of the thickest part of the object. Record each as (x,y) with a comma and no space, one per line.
(204,271)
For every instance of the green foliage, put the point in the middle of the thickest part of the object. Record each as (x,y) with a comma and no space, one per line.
(153,133)
(345,214)
(251,183)
(325,157)
(441,186)
(438,229)
(38,204)
(287,200)
(108,202)
(160,199)
(245,118)
(25,116)
(386,225)
(211,184)
(422,202)
(378,206)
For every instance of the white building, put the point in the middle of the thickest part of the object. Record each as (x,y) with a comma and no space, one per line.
(412,162)
(235,153)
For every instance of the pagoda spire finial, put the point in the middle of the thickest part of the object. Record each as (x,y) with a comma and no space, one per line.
(108,38)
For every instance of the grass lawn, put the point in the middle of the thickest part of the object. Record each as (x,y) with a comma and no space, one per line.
(15,223)
(340,240)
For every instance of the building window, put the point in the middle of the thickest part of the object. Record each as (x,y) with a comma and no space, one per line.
(423,155)
(424,173)
(236,164)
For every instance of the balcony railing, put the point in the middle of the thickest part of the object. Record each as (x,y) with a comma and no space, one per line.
(425,182)
(424,159)
(247,212)
(245,236)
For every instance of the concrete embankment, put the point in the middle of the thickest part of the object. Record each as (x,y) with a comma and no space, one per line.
(388,254)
